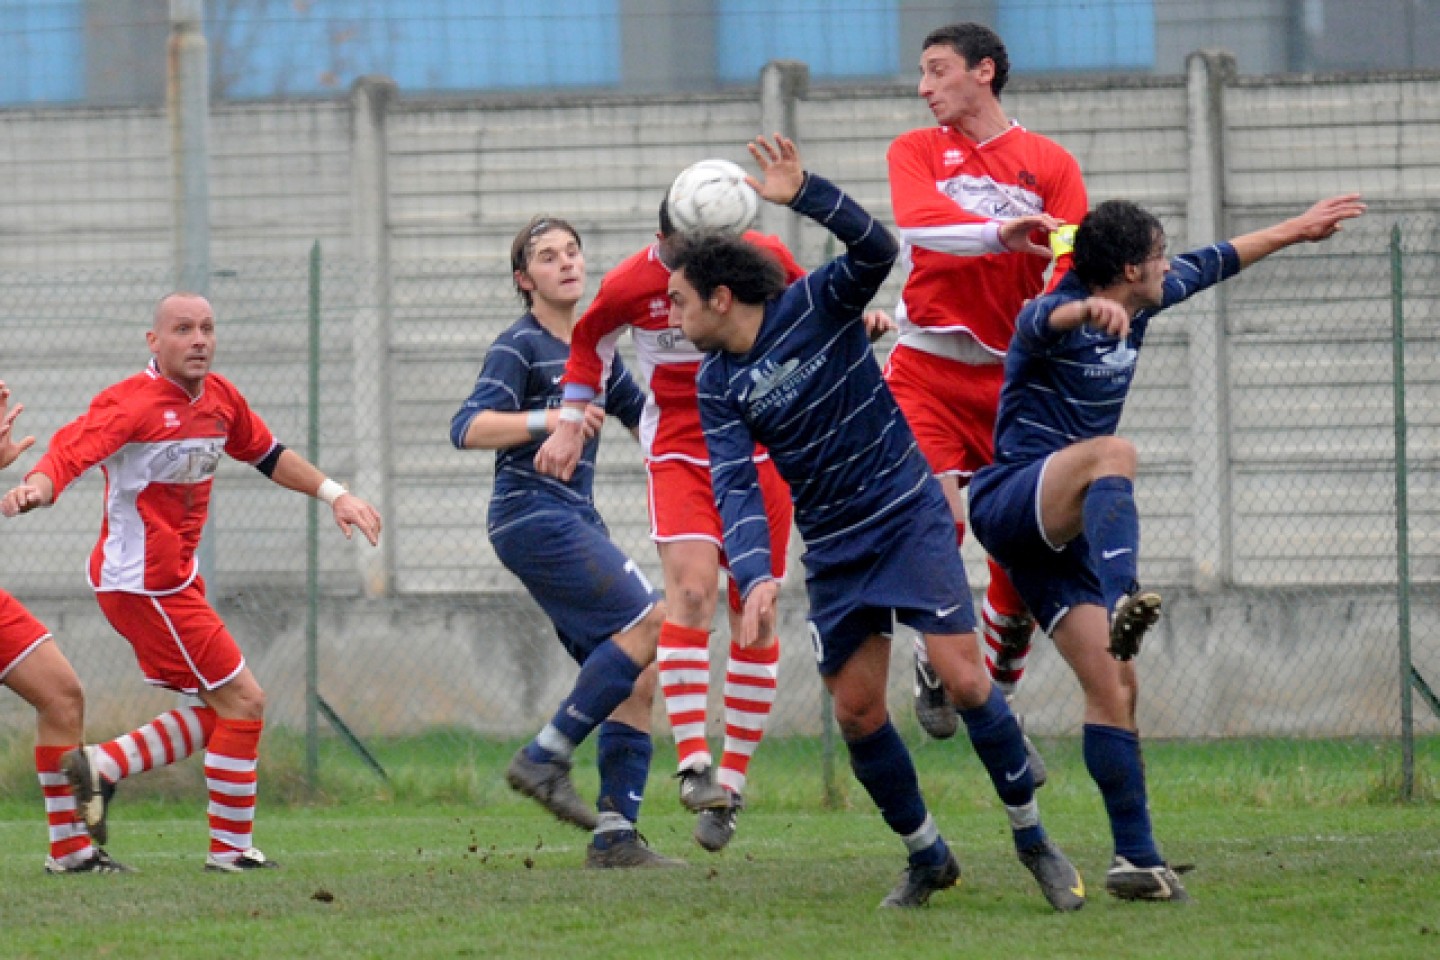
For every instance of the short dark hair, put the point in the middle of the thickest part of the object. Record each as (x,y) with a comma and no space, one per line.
(667,226)
(1114,235)
(712,260)
(974,42)
(524,242)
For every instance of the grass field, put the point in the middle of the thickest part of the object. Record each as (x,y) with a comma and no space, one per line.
(1301,851)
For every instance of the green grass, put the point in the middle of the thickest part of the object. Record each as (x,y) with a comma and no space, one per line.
(1302,851)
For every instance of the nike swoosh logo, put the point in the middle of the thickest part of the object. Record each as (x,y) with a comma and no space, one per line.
(1112,554)
(1079,888)
(635,797)
(946,611)
(1012,777)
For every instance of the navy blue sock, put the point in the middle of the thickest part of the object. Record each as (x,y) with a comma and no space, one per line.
(1112,526)
(624,761)
(996,737)
(605,681)
(884,768)
(1113,758)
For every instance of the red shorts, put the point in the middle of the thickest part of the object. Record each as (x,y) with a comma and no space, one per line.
(950,406)
(179,639)
(682,507)
(20,633)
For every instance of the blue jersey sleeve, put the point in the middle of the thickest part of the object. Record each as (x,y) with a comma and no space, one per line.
(1199,270)
(734,480)
(624,399)
(500,386)
(1032,325)
(845,285)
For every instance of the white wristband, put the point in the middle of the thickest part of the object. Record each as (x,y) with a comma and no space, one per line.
(535,423)
(330,491)
(569,414)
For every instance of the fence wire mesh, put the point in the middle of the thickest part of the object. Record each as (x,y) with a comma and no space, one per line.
(1265,417)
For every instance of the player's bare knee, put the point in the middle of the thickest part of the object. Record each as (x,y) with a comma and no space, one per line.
(61,712)
(691,602)
(1115,457)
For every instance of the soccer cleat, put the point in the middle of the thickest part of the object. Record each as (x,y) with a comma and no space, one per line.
(101,862)
(917,883)
(625,849)
(1125,881)
(1059,880)
(549,784)
(1038,773)
(92,791)
(1135,613)
(700,791)
(251,859)
(937,715)
(715,827)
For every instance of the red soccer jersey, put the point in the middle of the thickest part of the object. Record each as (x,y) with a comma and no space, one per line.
(939,179)
(634,295)
(158,448)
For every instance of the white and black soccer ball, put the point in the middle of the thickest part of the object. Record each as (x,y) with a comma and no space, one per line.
(712,195)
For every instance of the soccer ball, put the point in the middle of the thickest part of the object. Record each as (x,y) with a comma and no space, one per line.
(712,195)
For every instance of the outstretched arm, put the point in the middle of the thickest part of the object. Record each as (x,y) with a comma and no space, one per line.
(1320,222)
(294,472)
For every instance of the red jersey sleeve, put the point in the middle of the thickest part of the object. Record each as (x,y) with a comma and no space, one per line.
(614,307)
(85,441)
(248,439)
(913,197)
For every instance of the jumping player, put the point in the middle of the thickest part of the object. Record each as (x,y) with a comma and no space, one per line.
(791,367)
(33,666)
(549,534)
(684,525)
(957,309)
(158,437)
(1057,508)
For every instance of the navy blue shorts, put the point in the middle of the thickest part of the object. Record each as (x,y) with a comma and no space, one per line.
(563,554)
(1005,516)
(911,572)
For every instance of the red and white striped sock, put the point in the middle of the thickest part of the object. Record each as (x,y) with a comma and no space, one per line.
(69,842)
(170,737)
(230,778)
(1007,628)
(684,663)
(749,696)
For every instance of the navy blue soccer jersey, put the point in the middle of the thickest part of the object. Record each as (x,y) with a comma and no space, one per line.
(1065,386)
(522,371)
(811,391)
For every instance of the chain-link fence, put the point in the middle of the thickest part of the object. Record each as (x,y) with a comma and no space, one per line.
(1265,414)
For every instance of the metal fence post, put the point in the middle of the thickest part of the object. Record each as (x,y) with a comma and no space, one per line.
(312,540)
(782,83)
(1402,519)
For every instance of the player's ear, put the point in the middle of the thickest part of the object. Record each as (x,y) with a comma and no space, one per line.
(523,281)
(721,299)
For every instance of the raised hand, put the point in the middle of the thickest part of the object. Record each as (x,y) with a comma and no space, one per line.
(1322,221)
(779,166)
(10,449)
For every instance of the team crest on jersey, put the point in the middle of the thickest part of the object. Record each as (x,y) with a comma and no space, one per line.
(172,420)
(776,384)
(659,307)
(954,157)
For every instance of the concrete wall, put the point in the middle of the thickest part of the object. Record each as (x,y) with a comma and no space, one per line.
(1303,380)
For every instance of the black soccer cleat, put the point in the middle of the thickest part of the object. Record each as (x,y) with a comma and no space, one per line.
(101,862)
(699,790)
(933,709)
(1135,613)
(1058,879)
(549,784)
(92,792)
(251,859)
(918,883)
(625,850)
(1125,881)
(715,827)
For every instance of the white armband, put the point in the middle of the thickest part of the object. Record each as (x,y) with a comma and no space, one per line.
(330,491)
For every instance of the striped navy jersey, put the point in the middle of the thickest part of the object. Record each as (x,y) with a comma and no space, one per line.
(1065,386)
(810,390)
(522,371)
